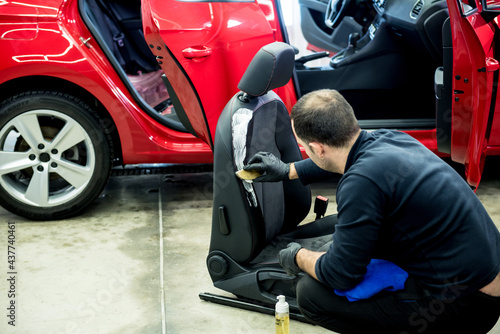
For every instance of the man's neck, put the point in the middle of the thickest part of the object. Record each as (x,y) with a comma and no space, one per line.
(338,155)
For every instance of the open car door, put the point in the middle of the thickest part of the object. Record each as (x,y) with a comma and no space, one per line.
(204,48)
(475,77)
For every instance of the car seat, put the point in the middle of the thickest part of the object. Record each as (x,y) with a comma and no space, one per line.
(120,26)
(251,222)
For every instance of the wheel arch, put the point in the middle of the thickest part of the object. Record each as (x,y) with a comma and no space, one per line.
(47,83)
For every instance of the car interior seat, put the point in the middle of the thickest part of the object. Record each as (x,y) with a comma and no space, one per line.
(120,26)
(252,221)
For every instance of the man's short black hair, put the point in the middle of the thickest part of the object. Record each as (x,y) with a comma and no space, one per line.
(326,117)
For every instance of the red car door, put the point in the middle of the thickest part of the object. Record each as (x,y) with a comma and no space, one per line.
(204,48)
(475,77)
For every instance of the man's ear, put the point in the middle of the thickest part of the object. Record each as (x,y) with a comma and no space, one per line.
(317,148)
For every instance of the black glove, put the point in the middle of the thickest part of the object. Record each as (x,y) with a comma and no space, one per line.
(274,169)
(287,258)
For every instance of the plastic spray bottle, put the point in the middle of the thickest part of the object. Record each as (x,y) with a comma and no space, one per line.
(282,316)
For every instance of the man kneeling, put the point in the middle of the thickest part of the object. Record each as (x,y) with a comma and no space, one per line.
(398,204)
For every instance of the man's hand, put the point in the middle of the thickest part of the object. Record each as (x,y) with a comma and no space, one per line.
(287,258)
(274,169)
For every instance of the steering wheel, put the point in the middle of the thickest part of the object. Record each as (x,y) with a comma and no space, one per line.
(335,12)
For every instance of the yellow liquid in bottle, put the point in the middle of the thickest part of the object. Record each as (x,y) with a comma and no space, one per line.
(282,324)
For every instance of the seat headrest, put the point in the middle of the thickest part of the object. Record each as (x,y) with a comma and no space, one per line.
(270,68)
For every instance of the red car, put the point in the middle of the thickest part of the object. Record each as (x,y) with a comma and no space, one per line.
(82,87)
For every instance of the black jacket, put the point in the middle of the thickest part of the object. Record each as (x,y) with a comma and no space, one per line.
(398,201)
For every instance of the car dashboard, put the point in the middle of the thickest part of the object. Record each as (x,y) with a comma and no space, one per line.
(417,23)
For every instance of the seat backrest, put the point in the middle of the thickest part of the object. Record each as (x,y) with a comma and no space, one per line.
(120,26)
(247,216)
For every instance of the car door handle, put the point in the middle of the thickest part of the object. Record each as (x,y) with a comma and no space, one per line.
(491,64)
(198,51)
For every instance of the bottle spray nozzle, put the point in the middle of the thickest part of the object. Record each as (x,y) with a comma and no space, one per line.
(281,305)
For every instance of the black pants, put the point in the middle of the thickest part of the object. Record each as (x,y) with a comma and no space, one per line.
(412,310)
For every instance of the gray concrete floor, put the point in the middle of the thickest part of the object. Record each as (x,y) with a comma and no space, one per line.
(108,270)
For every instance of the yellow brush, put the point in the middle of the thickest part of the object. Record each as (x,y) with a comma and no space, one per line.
(248,174)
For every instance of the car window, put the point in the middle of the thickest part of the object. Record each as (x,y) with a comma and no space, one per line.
(467,7)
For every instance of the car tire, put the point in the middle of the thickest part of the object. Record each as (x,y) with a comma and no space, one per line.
(55,156)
